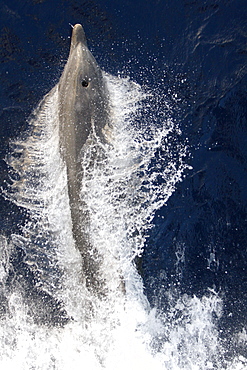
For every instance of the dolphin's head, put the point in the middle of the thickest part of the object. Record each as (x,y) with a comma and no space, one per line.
(82,77)
(82,92)
(81,60)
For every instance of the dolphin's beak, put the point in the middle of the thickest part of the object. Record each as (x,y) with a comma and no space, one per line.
(78,37)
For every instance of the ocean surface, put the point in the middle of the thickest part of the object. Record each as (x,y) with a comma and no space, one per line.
(167,207)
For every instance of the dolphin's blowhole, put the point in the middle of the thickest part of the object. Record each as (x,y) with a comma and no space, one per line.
(85,83)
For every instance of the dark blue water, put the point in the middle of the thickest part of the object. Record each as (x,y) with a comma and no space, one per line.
(194,54)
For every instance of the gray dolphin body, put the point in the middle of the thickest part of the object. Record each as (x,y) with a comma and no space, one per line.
(83,111)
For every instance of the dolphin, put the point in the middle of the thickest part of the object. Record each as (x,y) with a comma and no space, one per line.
(83,113)
(81,117)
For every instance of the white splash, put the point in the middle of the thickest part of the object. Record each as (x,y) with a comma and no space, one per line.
(121,193)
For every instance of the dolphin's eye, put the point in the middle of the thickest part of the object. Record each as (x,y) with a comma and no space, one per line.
(85,83)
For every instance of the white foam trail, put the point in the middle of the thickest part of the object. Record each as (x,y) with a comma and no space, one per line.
(121,193)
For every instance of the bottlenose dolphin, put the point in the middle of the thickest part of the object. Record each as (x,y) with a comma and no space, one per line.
(76,109)
(83,113)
